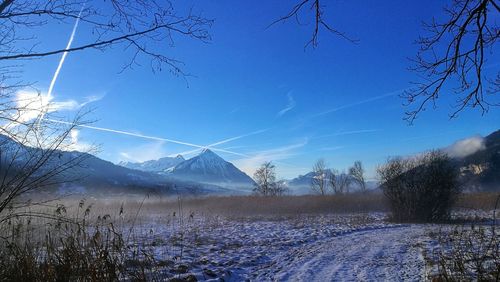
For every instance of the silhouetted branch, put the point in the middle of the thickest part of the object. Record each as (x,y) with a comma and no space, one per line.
(319,21)
(454,55)
(147,27)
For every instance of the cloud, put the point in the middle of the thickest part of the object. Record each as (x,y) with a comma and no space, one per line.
(291,104)
(32,105)
(466,147)
(76,144)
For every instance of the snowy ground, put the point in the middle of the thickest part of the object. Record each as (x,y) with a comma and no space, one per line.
(350,247)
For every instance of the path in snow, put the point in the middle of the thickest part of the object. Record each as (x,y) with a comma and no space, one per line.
(384,254)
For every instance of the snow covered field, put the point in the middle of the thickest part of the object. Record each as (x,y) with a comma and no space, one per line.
(298,248)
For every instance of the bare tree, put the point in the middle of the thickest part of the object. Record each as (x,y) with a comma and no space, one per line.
(454,54)
(344,182)
(319,179)
(332,180)
(265,179)
(357,174)
(339,182)
(317,8)
(32,159)
(280,188)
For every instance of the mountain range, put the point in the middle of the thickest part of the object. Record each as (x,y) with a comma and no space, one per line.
(205,168)
(160,165)
(208,173)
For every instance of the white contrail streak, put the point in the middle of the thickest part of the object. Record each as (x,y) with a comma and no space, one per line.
(63,57)
(237,137)
(393,93)
(144,136)
(126,133)
(361,131)
(220,143)
(59,66)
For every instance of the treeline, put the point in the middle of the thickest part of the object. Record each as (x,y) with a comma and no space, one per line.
(325,180)
(421,188)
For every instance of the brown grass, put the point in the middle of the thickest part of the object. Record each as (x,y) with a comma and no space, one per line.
(287,205)
(478,201)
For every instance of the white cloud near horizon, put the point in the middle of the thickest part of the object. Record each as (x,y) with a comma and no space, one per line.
(466,147)
(33,105)
(76,144)
(291,104)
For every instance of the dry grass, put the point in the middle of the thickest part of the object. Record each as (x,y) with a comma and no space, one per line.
(154,206)
(242,205)
(478,201)
(288,205)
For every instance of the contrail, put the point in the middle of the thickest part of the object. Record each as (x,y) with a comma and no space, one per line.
(61,62)
(348,133)
(126,133)
(238,137)
(145,136)
(220,143)
(361,102)
(63,57)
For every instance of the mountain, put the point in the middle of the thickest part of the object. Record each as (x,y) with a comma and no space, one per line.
(160,165)
(481,170)
(209,168)
(92,175)
(305,180)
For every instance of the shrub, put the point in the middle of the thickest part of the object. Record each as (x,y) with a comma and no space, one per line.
(422,188)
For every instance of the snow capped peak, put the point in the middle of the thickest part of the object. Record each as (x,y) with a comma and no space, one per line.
(208,167)
(208,154)
(159,165)
(206,151)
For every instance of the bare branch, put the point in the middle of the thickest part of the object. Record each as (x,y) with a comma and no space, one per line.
(453,56)
(319,21)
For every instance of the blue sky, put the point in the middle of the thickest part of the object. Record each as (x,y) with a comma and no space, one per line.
(338,101)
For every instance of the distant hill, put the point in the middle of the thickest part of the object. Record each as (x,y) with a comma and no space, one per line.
(480,171)
(93,175)
(160,165)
